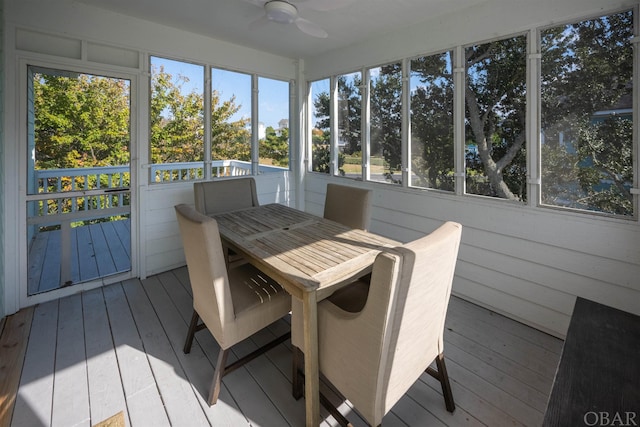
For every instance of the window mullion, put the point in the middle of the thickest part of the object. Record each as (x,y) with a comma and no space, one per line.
(533,123)
(207,122)
(365,134)
(636,110)
(405,129)
(255,126)
(459,84)
(333,126)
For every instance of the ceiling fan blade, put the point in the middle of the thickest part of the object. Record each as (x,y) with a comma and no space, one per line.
(323,5)
(259,23)
(310,28)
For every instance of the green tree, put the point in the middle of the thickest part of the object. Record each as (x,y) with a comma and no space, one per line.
(321,136)
(587,74)
(177,120)
(322,160)
(275,146)
(386,118)
(432,122)
(608,173)
(350,113)
(495,98)
(177,123)
(80,121)
(230,139)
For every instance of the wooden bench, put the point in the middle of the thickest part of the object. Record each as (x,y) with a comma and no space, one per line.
(598,378)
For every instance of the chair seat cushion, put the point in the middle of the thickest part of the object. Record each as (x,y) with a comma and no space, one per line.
(250,288)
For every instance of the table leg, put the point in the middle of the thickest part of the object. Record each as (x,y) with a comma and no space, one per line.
(311,369)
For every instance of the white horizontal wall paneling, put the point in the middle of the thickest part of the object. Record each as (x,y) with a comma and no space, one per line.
(163,244)
(276,187)
(526,263)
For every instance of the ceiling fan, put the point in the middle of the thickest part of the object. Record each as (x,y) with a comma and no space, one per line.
(285,12)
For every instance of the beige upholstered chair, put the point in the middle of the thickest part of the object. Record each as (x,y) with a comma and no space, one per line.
(224,195)
(233,304)
(350,206)
(376,340)
(347,205)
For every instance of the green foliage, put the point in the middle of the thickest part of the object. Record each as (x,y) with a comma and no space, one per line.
(587,74)
(432,123)
(177,120)
(495,99)
(177,123)
(275,146)
(349,112)
(229,139)
(608,177)
(386,118)
(321,138)
(80,122)
(322,160)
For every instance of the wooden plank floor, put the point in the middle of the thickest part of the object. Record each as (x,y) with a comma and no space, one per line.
(119,348)
(98,250)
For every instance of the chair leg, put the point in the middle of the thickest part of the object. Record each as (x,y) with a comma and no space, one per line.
(342,421)
(225,250)
(222,369)
(193,327)
(297,383)
(442,376)
(217,377)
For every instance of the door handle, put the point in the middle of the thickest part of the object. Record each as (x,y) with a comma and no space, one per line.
(117,190)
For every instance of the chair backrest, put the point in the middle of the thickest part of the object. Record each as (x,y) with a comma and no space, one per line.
(419,306)
(407,304)
(350,206)
(207,269)
(224,195)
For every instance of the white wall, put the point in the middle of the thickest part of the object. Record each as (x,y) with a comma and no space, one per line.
(164,248)
(524,261)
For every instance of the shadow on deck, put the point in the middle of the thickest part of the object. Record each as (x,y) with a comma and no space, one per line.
(119,348)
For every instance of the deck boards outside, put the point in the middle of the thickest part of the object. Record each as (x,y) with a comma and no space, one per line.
(119,348)
(97,250)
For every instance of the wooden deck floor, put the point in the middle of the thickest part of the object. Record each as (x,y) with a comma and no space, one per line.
(97,250)
(119,348)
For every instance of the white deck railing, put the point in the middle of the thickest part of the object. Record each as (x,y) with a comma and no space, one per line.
(187,171)
(64,198)
(83,189)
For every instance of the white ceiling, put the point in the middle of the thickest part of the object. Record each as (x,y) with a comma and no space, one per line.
(352,21)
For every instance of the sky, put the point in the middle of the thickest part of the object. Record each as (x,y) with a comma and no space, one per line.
(273,98)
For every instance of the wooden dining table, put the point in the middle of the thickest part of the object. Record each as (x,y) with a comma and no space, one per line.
(311,257)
